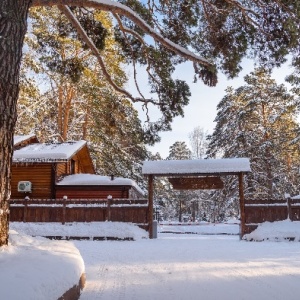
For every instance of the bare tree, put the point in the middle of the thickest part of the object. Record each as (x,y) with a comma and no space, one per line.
(198,142)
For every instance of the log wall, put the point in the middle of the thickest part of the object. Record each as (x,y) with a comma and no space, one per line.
(40,175)
(91,191)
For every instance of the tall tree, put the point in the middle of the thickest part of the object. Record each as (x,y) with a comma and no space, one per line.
(198,142)
(76,101)
(179,151)
(294,80)
(219,32)
(258,120)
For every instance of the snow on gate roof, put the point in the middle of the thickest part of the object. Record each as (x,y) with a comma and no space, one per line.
(197,167)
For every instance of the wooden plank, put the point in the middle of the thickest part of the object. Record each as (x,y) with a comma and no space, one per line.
(196,183)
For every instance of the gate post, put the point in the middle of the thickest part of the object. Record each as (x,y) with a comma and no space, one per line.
(242,206)
(150,206)
(109,198)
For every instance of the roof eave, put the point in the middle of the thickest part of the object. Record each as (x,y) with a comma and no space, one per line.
(196,174)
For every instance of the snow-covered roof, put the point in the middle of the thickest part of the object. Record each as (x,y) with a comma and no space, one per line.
(48,152)
(93,179)
(197,166)
(20,138)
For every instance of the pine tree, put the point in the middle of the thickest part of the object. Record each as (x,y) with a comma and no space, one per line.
(258,120)
(179,151)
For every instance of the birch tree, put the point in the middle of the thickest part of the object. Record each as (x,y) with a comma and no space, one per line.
(198,142)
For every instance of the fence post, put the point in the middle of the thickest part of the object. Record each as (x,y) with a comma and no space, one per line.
(154,229)
(289,208)
(25,209)
(64,210)
(109,198)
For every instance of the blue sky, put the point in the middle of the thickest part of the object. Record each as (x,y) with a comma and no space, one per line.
(201,110)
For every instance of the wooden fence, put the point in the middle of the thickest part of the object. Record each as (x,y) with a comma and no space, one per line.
(83,210)
(259,211)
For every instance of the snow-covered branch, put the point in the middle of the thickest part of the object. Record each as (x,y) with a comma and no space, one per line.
(118,8)
(94,49)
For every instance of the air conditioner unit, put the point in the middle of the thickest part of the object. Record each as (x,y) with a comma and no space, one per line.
(24,186)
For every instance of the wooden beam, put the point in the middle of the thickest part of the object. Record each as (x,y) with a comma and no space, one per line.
(150,205)
(242,206)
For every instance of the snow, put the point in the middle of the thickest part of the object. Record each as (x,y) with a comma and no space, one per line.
(47,152)
(37,268)
(94,229)
(199,228)
(196,166)
(275,231)
(173,266)
(93,179)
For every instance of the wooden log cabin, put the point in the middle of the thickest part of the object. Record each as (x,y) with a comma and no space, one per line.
(51,171)
(37,167)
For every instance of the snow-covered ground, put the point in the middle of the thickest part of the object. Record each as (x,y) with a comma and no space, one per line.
(37,268)
(231,227)
(180,266)
(116,230)
(173,266)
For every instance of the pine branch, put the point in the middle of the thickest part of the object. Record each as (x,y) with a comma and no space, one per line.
(117,8)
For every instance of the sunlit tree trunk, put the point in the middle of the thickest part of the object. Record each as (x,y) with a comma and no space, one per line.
(85,126)
(268,167)
(66,95)
(70,94)
(13,25)
(60,110)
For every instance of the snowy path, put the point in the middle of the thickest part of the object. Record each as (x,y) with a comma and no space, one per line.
(191,267)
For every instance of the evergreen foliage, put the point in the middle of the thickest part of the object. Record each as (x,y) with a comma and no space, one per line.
(179,151)
(85,107)
(258,120)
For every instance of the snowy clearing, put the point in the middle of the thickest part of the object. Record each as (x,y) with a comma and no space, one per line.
(174,266)
(177,266)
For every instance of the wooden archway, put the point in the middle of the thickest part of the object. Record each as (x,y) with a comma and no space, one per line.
(193,174)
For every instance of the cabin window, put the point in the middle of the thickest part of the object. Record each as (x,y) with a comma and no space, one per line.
(72,166)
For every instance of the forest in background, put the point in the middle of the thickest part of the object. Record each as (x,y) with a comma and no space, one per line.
(257,120)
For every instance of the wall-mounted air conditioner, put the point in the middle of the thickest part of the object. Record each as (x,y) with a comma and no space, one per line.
(24,186)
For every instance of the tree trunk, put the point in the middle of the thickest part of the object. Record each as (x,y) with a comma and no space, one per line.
(60,112)
(13,26)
